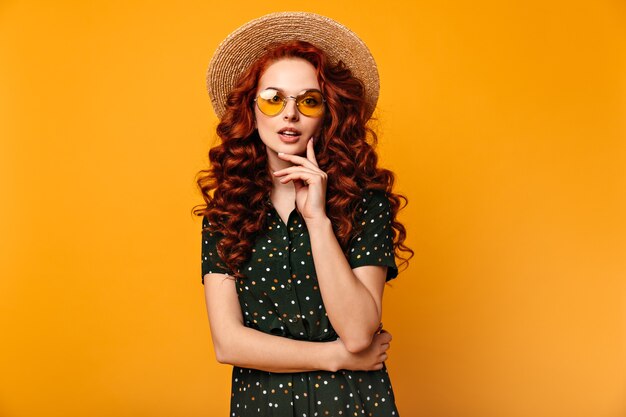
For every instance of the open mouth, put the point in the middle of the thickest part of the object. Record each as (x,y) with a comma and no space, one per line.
(289,131)
(289,134)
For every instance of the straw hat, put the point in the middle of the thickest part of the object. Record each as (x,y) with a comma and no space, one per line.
(246,44)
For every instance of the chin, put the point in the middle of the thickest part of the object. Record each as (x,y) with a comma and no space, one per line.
(294,148)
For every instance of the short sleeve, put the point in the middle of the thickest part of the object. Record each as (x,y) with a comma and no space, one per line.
(211,261)
(374,244)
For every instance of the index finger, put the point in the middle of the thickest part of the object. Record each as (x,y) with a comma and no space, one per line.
(310,152)
(296,159)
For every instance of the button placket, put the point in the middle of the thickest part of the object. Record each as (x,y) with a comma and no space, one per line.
(294,315)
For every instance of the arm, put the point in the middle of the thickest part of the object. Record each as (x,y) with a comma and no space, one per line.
(241,346)
(352,297)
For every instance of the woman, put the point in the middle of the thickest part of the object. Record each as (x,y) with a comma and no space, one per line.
(298,232)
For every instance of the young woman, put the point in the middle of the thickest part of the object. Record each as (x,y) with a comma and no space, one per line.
(299,228)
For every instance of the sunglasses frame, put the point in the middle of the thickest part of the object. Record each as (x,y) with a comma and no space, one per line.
(285,98)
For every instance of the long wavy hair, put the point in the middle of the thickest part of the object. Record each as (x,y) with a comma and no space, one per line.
(238,182)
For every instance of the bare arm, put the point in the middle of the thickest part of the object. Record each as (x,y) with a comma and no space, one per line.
(239,345)
(352,297)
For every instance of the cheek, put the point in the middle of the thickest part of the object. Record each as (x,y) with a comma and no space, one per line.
(259,121)
(262,124)
(264,128)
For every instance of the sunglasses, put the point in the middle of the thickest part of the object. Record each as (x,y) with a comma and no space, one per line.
(271,102)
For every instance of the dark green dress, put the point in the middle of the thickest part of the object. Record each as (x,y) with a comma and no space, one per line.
(281,296)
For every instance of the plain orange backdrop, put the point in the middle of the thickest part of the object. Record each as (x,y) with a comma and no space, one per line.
(505,123)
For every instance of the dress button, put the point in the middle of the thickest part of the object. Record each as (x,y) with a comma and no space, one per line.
(287,286)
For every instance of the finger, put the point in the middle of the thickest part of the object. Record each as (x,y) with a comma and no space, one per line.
(310,152)
(304,176)
(298,184)
(295,168)
(296,159)
(385,337)
(307,179)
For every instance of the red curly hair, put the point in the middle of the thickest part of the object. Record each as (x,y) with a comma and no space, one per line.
(240,178)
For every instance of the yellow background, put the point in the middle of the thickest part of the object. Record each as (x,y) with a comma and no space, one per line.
(505,123)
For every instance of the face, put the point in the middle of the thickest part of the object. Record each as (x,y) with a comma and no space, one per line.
(290,77)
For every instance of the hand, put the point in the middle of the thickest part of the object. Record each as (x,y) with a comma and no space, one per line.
(370,359)
(309,181)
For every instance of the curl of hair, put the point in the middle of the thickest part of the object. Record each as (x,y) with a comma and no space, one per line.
(238,182)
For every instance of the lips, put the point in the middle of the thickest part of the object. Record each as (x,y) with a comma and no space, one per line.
(289,134)
(289,131)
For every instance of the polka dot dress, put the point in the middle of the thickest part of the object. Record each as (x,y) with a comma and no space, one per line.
(281,296)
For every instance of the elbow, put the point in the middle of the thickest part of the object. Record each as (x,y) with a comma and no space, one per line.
(225,344)
(356,345)
(221,358)
(357,340)
(221,354)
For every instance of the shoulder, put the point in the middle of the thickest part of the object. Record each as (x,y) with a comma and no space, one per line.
(374,209)
(210,229)
(206,224)
(374,199)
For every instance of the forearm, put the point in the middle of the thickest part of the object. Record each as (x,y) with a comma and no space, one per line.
(249,348)
(350,306)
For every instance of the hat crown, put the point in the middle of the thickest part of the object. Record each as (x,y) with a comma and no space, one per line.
(245,45)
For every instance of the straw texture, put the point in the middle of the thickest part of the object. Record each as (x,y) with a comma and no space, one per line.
(246,44)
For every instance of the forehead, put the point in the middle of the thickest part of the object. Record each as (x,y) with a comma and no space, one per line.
(291,75)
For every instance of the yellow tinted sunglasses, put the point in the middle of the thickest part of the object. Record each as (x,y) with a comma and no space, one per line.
(271,102)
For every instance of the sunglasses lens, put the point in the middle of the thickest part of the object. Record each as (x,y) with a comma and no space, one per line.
(270,102)
(311,103)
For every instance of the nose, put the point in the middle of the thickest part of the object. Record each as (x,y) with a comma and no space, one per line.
(290,112)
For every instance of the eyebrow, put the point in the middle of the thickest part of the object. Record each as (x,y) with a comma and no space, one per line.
(282,91)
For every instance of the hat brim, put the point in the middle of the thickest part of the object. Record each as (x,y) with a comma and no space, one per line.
(247,43)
